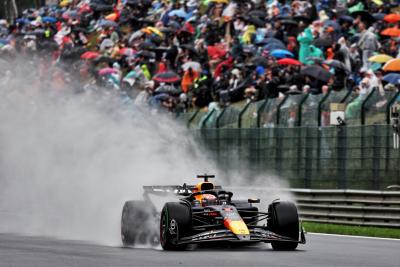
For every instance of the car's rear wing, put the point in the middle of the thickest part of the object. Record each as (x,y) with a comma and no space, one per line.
(182,190)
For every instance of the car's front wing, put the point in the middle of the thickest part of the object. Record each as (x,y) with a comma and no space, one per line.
(256,235)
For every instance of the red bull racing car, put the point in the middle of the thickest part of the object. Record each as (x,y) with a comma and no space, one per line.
(207,213)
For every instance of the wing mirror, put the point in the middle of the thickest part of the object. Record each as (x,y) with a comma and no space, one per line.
(254,200)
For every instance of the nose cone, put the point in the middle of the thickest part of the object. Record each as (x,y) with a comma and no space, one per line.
(239,228)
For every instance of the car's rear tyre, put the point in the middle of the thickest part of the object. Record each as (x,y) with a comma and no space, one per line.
(284,220)
(175,223)
(135,223)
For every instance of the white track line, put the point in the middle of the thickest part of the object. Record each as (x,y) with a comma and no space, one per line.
(355,236)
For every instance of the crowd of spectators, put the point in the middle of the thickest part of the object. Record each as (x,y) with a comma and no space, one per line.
(180,54)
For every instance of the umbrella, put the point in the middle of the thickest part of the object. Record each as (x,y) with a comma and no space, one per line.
(4,41)
(305,19)
(393,32)
(259,61)
(290,22)
(393,78)
(220,1)
(275,46)
(178,13)
(392,65)
(190,48)
(106,71)
(364,15)
(346,18)
(49,20)
(113,16)
(256,21)
(167,77)
(321,42)
(336,64)
(107,23)
(146,46)
(151,30)
(168,89)
(196,66)
(316,72)
(281,53)
(22,21)
(146,54)
(381,58)
(392,18)
(126,51)
(270,40)
(257,13)
(104,59)
(215,52)
(289,61)
(90,55)
(379,16)
(107,43)
(333,24)
(135,35)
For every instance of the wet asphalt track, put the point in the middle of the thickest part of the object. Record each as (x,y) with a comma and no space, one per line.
(320,251)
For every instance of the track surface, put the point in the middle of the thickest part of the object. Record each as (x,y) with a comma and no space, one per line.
(320,251)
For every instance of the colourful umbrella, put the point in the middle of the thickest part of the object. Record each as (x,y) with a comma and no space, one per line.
(220,1)
(112,17)
(392,18)
(90,55)
(167,77)
(126,51)
(393,32)
(381,58)
(281,53)
(393,78)
(289,61)
(215,52)
(392,65)
(106,71)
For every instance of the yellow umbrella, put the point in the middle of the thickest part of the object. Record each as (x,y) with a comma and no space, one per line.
(150,30)
(378,2)
(381,58)
(65,3)
(220,1)
(392,65)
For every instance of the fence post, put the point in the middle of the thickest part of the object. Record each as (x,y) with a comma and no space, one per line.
(376,159)
(389,105)
(219,117)
(208,116)
(299,111)
(259,110)
(241,114)
(320,106)
(341,157)
(192,118)
(278,109)
(308,157)
(363,105)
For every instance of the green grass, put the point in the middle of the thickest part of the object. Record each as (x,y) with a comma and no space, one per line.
(351,230)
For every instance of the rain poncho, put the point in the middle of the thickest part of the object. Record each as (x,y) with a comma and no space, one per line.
(305,39)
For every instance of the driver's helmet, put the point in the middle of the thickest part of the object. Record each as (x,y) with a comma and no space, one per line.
(206,199)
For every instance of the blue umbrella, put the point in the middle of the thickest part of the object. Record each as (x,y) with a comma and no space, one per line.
(281,53)
(333,24)
(4,41)
(379,16)
(22,21)
(178,12)
(49,20)
(107,23)
(274,46)
(393,78)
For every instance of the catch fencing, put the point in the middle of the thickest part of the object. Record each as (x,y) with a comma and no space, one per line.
(290,137)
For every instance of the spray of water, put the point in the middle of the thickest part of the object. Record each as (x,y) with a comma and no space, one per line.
(68,161)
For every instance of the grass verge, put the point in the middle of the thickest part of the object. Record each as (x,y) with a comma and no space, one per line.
(351,230)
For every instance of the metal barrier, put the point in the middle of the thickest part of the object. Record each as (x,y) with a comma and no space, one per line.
(350,207)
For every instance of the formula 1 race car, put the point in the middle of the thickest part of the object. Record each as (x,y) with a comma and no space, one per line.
(207,213)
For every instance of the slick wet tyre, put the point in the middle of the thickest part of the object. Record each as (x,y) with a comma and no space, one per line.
(284,220)
(175,223)
(134,217)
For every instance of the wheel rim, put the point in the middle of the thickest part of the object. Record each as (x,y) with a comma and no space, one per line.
(163,228)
